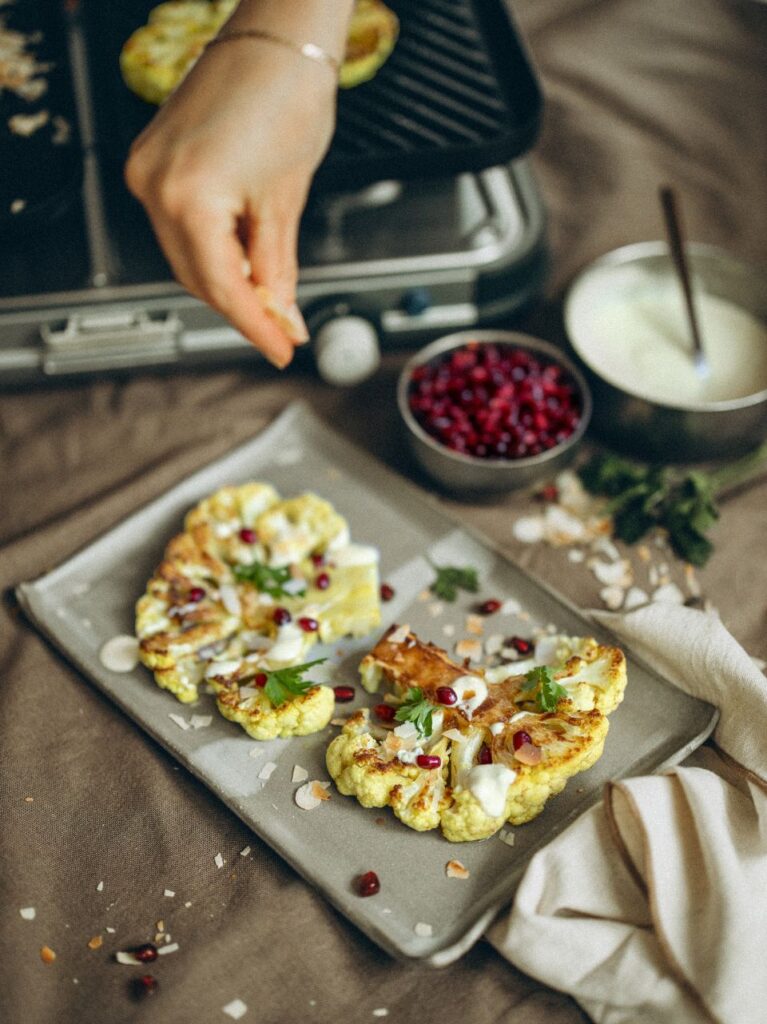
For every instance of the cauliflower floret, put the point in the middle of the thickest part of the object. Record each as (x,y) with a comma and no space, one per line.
(300,716)
(295,527)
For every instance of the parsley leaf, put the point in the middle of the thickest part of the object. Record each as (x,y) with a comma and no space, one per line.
(451,578)
(284,683)
(264,578)
(418,710)
(549,691)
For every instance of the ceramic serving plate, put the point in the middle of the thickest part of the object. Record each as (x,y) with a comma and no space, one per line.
(90,598)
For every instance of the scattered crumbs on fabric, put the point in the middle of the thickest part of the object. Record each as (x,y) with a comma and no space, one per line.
(96,942)
(111,930)
(381,1011)
(29,799)
(235,1009)
(245,851)
(47,955)
(218,860)
(28,913)
(172,947)
(188,903)
(100,887)
(169,893)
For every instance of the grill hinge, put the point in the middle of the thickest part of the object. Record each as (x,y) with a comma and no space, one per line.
(110,339)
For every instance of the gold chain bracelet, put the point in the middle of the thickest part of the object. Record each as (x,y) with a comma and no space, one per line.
(309,50)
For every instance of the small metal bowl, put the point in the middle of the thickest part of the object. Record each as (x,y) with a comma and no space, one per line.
(656,430)
(468,473)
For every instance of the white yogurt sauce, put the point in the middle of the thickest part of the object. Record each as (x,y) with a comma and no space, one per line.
(120,654)
(471,692)
(289,643)
(489,784)
(633,331)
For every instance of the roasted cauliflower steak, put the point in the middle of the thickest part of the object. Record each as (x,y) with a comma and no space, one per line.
(492,755)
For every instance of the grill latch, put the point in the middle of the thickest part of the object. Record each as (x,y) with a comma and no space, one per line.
(110,339)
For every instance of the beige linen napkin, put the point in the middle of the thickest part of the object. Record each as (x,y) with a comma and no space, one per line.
(652,907)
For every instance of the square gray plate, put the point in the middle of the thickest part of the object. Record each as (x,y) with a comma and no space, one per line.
(90,599)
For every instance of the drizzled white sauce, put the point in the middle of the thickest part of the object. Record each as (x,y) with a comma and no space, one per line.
(489,784)
(120,654)
(471,692)
(289,643)
(222,668)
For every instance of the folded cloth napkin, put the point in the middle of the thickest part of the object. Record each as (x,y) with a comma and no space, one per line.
(652,907)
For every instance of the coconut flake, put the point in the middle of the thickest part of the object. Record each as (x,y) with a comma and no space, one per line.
(576,555)
(474,625)
(180,721)
(120,654)
(126,957)
(235,1009)
(494,643)
(612,597)
(100,887)
(634,598)
(423,929)
(612,574)
(218,860)
(448,629)
(245,851)
(668,593)
(169,893)
(560,527)
(201,721)
(436,609)
(454,869)
(400,634)
(255,752)
(471,649)
(28,913)
(267,770)
(507,837)
(604,546)
(171,947)
(299,774)
(230,599)
(510,607)
(529,529)
(311,795)
(380,1011)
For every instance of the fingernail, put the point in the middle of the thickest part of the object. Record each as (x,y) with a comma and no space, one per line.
(300,332)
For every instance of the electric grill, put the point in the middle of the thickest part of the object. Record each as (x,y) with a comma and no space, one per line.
(424,216)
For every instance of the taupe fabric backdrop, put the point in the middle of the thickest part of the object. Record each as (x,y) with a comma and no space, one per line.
(638,91)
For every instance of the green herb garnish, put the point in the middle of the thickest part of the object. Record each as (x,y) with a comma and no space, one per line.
(451,578)
(548,690)
(284,683)
(416,709)
(683,504)
(264,578)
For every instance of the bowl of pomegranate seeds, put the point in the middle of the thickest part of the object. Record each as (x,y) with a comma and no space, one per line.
(492,410)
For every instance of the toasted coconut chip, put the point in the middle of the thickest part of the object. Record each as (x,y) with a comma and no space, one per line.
(218,860)
(172,947)
(576,555)
(126,957)
(311,795)
(612,597)
(268,769)
(180,721)
(423,929)
(169,893)
(96,942)
(475,625)
(28,913)
(245,851)
(618,574)
(454,869)
(448,629)
(528,529)
(100,887)
(507,837)
(235,1009)
(381,1011)
(299,774)
(47,955)
(471,649)
(201,721)
(400,634)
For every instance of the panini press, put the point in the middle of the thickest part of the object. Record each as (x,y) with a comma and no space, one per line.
(424,217)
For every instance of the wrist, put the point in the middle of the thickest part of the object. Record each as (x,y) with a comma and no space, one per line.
(323,23)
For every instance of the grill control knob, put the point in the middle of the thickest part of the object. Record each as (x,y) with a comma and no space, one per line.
(346,350)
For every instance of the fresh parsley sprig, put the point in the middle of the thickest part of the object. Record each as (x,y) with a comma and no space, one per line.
(284,683)
(547,690)
(416,709)
(264,578)
(642,497)
(451,578)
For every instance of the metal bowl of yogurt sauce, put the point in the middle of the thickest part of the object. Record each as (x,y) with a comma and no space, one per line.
(624,317)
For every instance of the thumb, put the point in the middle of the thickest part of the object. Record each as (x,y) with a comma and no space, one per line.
(273,256)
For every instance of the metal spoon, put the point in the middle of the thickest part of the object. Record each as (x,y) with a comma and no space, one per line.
(673,224)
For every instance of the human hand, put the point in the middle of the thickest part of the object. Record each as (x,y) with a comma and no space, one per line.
(223,172)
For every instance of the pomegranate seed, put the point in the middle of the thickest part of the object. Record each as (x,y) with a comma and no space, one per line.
(387,592)
(446,695)
(308,625)
(520,645)
(196,594)
(485,757)
(520,738)
(146,985)
(146,953)
(489,607)
(281,616)
(344,694)
(428,761)
(368,884)
(248,535)
(550,491)
(322,582)
(385,712)
(261,679)
(318,558)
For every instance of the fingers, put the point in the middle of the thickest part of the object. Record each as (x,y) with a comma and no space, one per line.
(272,248)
